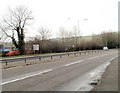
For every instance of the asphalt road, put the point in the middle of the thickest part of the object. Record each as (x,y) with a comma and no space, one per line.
(53,75)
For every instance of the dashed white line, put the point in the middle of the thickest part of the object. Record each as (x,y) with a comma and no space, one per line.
(45,71)
(98,56)
(93,57)
(74,63)
(26,76)
(104,55)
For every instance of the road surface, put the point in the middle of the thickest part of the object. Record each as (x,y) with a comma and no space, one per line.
(62,75)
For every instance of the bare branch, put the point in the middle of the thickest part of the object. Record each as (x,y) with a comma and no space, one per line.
(44,33)
(5,32)
(9,24)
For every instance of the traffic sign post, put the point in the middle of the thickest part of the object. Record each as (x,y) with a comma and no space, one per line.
(36,48)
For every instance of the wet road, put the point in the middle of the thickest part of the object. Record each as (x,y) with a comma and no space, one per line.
(53,75)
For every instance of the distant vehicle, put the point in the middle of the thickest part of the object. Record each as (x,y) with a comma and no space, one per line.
(3,51)
(16,52)
(12,53)
(105,48)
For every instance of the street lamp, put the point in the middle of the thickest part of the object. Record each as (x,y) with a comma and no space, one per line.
(79,21)
(77,28)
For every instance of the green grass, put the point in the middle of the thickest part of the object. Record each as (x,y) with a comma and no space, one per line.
(86,38)
(25,55)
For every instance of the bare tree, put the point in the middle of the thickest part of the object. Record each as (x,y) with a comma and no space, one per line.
(44,34)
(76,36)
(14,24)
(3,38)
(104,38)
(70,38)
(62,34)
(110,39)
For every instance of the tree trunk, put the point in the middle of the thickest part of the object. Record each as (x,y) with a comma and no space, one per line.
(21,43)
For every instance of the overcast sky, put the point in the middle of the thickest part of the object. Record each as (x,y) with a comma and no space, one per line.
(102,15)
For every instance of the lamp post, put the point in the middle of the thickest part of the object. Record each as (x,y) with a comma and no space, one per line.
(77,31)
(79,23)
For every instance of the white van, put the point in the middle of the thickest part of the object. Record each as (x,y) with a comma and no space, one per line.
(105,48)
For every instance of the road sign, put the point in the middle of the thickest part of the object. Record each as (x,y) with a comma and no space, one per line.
(36,47)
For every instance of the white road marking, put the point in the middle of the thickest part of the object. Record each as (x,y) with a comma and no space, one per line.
(98,56)
(74,63)
(104,55)
(26,76)
(93,57)
(45,71)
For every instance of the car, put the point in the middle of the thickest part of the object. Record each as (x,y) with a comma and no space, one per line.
(16,52)
(12,53)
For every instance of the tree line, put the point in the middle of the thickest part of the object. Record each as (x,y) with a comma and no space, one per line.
(69,44)
(13,26)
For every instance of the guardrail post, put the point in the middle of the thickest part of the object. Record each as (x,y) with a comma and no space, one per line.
(25,60)
(51,57)
(6,63)
(68,54)
(75,54)
(39,59)
(60,56)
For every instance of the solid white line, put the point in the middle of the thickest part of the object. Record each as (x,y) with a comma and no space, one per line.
(27,76)
(74,63)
